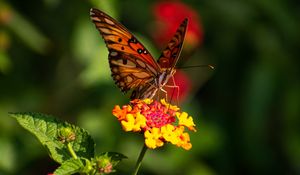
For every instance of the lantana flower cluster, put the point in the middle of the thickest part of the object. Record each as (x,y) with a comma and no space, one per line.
(159,121)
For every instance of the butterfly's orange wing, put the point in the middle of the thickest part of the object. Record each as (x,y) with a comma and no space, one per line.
(170,54)
(131,64)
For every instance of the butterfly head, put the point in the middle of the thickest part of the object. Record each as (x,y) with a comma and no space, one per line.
(165,76)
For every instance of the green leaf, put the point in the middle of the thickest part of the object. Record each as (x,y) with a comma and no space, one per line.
(48,131)
(69,167)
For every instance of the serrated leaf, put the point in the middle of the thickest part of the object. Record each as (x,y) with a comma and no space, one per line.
(69,167)
(46,128)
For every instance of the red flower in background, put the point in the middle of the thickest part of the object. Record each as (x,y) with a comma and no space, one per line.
(169,15)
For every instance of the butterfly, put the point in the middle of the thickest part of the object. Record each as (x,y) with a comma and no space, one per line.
(132,66)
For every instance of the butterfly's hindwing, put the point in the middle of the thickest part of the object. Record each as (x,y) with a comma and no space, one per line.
(127,72)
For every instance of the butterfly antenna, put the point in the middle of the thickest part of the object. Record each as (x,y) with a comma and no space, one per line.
(207,65)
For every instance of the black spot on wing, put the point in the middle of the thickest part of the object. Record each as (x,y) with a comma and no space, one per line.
(132,40)
(140,51)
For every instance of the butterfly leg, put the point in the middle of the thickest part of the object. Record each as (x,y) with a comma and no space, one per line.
(175,89)
(166,93)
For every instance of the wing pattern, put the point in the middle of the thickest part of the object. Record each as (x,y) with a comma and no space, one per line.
(131,63)
(170,54)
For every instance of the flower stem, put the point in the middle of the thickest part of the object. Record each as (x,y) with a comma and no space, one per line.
(140,159)
(73,154)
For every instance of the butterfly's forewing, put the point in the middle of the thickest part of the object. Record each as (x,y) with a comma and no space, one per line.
(170,54)
(131,64)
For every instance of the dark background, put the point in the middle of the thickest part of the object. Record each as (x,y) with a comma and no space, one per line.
(247,110)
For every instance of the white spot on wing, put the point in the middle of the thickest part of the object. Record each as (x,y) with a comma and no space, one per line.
(105,30)
(109,21)
(96,19)
(91,11)
(113,53)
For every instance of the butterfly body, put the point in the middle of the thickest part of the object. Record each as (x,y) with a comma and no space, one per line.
(132,66)
(151,89)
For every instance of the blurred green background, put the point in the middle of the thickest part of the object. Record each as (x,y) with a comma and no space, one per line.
(247,111)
